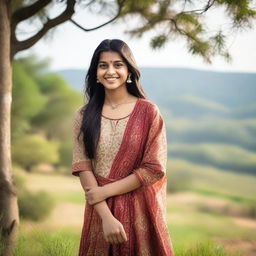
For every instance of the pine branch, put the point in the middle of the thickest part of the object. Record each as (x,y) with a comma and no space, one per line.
(120,6)
(209,4)
(64,16)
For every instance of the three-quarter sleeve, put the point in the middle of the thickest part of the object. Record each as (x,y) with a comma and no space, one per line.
(153,165)
(80,162)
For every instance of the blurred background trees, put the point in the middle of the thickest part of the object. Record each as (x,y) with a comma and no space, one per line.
(43,104)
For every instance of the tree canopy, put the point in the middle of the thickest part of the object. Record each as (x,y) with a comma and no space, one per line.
(170,19)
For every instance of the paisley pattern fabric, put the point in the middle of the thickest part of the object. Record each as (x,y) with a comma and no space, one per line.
(143,151)
(111,135)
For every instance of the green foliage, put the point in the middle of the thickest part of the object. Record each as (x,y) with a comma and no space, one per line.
(55,119)
(189,19)
(158,41)
(65,153)
(42,104)
(185,19)
(32,205)
(199,47)
(33,66)
(168,18)
(35,206)
(31,150)
(240,11)
(28,101)
(141,6)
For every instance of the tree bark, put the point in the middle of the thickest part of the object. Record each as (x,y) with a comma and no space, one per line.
(9,213)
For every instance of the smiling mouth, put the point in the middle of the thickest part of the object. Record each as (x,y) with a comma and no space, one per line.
(111,78)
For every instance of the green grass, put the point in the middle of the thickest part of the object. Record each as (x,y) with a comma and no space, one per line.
(206,248)
(188,223)
(42,242)
(65,242)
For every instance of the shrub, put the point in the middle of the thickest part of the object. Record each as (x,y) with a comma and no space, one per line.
(31,150)
(35,206)
(32,205)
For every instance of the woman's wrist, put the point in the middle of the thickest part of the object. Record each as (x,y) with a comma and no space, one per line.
(107,191)
(103,210)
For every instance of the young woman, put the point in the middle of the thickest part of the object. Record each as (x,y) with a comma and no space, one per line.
(120,154)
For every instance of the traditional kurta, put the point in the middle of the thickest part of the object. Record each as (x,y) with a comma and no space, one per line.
(133,144)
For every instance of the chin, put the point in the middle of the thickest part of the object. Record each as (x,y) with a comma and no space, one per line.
(112,87)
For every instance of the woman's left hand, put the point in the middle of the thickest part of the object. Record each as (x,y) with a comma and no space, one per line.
(95,195)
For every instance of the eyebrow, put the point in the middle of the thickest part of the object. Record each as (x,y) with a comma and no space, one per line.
(102,61)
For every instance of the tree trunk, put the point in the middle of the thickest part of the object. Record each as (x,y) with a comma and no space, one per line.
(9,214)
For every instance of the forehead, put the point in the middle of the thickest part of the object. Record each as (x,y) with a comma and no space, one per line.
(110,56)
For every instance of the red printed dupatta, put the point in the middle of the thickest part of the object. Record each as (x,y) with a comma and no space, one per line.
(142,212)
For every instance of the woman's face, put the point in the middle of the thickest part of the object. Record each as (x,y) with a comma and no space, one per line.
(112,71)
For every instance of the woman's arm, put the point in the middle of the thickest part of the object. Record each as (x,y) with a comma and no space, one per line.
(88,181)
(125,185)
(122,186)
(82,167)
(113,230)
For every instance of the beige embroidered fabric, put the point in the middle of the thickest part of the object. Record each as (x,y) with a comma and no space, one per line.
(112,131)
(111,135)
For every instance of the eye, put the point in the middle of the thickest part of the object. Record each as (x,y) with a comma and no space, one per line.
(119,64)
(102,65)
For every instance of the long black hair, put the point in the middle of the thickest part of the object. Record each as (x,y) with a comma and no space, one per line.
(95,92)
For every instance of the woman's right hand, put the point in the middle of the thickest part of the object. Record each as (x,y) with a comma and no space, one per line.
(113,230)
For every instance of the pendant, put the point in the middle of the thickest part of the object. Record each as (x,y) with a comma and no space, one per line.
(114,106)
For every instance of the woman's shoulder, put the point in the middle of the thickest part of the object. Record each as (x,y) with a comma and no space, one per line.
(81,109)
(150,106)
(79,112)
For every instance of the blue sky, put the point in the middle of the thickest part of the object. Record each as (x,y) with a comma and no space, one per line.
(69,47)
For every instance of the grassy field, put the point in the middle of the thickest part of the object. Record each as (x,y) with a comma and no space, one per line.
(207,213)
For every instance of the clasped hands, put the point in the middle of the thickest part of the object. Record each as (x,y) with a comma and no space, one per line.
(95,195)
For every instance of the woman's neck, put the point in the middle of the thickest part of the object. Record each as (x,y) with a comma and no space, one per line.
(117,96)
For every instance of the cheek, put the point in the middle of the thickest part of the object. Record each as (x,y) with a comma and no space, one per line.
(124,73)
(100,73)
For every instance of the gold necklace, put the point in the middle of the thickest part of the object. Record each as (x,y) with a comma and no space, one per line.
(114,106)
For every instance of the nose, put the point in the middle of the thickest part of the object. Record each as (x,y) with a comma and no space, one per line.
(111,69)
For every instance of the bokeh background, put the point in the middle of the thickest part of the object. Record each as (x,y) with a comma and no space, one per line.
(210,116)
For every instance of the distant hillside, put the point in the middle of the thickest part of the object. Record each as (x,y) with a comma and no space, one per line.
(210,116)
(191,92)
